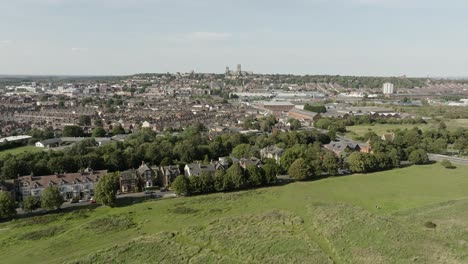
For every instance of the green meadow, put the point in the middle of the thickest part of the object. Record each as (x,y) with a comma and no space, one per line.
(417,214)
(19,150)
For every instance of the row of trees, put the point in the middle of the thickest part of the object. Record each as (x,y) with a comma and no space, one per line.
(234,178)
(51,199)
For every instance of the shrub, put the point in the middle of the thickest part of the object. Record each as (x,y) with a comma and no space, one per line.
(447,164)
(430,224)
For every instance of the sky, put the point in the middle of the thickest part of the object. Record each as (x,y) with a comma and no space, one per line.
(347,37)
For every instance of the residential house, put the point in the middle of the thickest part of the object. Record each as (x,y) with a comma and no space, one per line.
(339,147)
(129,181)
(49,143)
(244,163)
(272,152)
(146,175)
(196,169)
(81,184)
(167,174)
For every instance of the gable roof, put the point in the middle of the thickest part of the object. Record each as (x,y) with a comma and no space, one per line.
(197,168)
(67,178)
(143,168)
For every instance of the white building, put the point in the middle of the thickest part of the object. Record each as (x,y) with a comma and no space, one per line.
(388,88)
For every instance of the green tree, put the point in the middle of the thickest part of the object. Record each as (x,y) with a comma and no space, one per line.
(51,198)
(244,151)
(106,189)
(300,170)
(99,132)
(236,176)
(118,129)
(84,120)
(292,154)
(315,108)
(31,203)
(418,156)
(330,163)
(255,176)
(181,185)
(270,171)
(195,185)
(207,182)
(220,183)
(72,131)
(294,124)
(356,162)
(7,205)
(461,144)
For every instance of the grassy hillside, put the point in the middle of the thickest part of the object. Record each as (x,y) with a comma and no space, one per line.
(372,218)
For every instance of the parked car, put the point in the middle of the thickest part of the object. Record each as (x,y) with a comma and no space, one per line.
(92,201)
(163,189)
(148,192)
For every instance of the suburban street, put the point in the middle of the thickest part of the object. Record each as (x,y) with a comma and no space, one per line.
(453,159)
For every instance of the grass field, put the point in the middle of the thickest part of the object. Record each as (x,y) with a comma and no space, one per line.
(453,124)
(370,218)
(19,150)
(380,129)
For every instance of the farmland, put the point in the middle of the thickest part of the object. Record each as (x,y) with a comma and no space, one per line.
(365,218)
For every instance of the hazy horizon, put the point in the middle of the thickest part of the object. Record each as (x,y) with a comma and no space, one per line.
(317,37)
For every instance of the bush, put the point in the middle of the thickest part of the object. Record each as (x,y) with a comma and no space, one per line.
(447,164)
(430,224)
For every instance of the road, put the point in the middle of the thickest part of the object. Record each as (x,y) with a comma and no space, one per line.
(453,159)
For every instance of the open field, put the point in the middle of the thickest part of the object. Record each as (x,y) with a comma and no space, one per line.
(381,129)
(19,150)
(453,124)
(371,218)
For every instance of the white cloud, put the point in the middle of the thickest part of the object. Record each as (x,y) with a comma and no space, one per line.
(5,42)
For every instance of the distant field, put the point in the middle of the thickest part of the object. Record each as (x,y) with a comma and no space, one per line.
(381,129)
(371,218)
(453,124)
(15,151)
